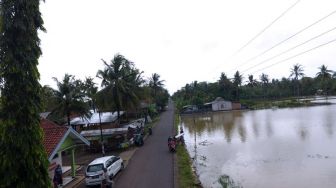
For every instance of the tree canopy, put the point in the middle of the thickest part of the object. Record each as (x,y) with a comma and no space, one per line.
(198,93)
(23,160)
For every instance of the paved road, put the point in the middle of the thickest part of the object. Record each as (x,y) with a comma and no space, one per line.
(152,164)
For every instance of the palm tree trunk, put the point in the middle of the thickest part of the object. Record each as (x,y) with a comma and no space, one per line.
(68,118)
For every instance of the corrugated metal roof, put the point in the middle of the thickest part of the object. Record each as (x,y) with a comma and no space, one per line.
(105,117)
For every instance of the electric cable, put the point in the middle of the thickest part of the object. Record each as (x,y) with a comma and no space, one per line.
(279,43)
(291,57)
(290,49)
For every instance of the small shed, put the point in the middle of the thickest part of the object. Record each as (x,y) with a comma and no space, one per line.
(220,104)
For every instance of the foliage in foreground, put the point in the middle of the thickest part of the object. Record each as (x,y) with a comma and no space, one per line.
(23,160)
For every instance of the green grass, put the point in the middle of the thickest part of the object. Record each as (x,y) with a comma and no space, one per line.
(186,177)
(281,103)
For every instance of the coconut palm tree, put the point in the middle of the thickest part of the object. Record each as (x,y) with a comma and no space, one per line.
(296,73)
(70,99)
(118,81)
(264,80)
(251,81)
(324,76)
(237,81)
(324,72)
(90,90)
(155,83)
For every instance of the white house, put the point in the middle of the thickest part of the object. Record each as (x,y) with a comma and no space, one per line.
(219,104)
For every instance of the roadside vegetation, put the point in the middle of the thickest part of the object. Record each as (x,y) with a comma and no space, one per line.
(263,92)
(186,176)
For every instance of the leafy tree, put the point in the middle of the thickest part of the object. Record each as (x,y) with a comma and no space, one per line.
(70,99)
(48,98)
(296,72)
(23,160)
(225,87)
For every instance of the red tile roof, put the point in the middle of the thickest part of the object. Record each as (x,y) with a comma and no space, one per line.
(53,134)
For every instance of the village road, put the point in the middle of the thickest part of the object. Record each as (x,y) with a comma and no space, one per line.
(152,164)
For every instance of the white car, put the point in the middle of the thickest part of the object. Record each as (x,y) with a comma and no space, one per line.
(94,171)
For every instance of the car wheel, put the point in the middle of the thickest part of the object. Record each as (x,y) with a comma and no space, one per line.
(122,166)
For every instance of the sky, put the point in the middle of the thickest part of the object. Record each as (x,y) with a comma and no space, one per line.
(187,40)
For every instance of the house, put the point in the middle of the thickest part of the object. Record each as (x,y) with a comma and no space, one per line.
(219,104)
(58,139)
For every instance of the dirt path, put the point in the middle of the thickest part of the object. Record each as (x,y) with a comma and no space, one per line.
(152,164)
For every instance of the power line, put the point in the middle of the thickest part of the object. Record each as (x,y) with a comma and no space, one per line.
(279,43)
(262,31)
(290,49)
(268,26)
(301,53)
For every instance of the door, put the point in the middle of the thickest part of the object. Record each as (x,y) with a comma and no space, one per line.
(109,167)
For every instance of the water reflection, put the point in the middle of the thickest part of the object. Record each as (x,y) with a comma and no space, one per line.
(264,148)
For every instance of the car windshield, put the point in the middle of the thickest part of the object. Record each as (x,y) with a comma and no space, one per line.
(95,168)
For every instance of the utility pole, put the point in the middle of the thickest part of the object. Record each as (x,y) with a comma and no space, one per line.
(101,135)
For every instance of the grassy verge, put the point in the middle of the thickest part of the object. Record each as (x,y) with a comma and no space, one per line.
(284,103)
(186,177)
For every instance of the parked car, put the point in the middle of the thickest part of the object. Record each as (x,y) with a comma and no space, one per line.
(94,171)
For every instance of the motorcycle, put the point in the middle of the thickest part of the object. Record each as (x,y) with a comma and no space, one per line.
(150,132)
(171,144)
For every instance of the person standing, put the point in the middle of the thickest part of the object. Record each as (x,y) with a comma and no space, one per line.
(58,179)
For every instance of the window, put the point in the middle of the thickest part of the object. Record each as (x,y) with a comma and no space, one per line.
(95,168)
(108,163)
(115,159)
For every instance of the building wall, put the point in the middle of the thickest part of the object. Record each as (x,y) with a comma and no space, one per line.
(221,105)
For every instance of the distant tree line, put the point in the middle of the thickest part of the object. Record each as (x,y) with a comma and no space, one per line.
(235,89)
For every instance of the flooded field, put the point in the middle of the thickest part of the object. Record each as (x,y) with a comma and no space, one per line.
(291,147)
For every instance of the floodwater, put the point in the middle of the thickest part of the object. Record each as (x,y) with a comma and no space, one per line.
(272,148)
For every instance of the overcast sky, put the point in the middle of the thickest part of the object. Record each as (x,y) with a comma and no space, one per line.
(185,40)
